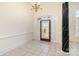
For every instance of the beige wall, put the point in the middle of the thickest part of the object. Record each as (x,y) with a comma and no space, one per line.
(19,24)
(52,9)
(15,25)
(73,7)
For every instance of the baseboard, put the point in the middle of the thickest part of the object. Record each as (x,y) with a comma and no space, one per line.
(8,43)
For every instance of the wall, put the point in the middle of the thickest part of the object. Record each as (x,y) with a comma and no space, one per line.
(16,22)
(73,7)
(15,25)
(51,9)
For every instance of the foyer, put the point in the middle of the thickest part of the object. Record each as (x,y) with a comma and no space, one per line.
(20,29)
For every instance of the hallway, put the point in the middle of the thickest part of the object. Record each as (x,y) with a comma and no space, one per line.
(20,30)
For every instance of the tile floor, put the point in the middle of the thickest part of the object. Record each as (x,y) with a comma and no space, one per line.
(74,48)
(40,48)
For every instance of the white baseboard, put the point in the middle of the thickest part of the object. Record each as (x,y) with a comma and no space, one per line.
(8,43)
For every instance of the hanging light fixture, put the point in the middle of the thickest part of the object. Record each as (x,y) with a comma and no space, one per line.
(35,7)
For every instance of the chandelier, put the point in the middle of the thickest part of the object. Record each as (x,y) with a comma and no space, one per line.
(36,7)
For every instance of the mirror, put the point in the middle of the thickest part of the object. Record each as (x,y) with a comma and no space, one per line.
(45,30)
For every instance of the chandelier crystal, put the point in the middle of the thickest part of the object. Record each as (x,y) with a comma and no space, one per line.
(36,7)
